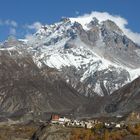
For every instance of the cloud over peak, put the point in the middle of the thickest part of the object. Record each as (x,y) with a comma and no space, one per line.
(8,22)
(35,26)
(11,25)
(102,16)
(28,29)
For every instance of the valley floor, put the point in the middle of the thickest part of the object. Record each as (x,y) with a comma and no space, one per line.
(38,131)
(17,131)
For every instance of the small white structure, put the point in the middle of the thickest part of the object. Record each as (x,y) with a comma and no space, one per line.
(76,122)
(107,124)
(119,116)
(89,125)
(118,126)
(63,120)
(82,124)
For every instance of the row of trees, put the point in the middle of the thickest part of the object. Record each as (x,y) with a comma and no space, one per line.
(101,133)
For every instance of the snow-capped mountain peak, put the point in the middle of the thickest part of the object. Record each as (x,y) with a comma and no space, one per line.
(92,55)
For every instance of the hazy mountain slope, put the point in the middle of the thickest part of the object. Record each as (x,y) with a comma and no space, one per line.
(121,102)
(25,88)
(126,99)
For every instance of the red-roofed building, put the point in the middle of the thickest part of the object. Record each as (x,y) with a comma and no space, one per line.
(55,118)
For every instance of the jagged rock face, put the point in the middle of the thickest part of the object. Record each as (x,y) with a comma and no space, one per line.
(95,83)
(25,88)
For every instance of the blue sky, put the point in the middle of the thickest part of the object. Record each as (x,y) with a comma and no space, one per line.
(15,15)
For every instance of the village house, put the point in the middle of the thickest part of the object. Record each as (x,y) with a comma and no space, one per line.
(59,120)
(89,125)
(118,125)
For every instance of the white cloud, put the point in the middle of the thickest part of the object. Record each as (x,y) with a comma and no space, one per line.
(8,22)
(29,37)
(35,26)
(11,23)
(12,31)
(102,16)
(77,12)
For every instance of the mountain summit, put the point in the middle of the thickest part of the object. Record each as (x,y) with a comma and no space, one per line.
(93,56)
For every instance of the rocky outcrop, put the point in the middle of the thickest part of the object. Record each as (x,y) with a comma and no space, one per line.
(52,133)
